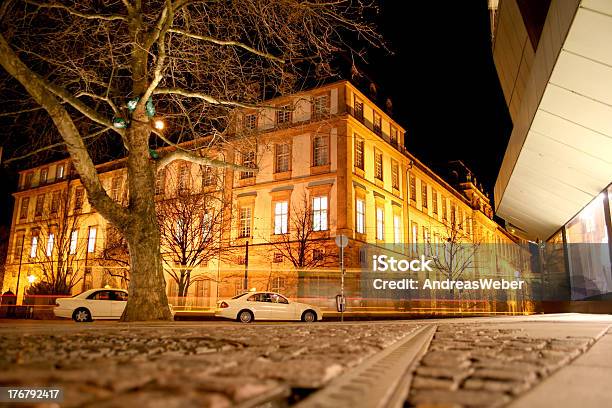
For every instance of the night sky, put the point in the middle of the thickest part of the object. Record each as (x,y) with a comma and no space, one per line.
(442,82)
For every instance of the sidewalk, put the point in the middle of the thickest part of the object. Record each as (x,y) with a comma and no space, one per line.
(524,361)
(535,361)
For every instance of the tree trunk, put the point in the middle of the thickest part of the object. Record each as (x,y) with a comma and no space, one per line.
(147,300)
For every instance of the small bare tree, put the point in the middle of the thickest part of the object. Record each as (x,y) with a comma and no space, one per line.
(457,253)
(192,225)
(59,246)
(301,244)
(115,258)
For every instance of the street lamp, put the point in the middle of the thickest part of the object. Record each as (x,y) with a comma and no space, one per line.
(159,124)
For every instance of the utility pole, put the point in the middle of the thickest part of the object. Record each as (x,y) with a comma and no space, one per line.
(19,270)
(341,242)
(246,267)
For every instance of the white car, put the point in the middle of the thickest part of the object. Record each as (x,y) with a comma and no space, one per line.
(94,304)
(250,306)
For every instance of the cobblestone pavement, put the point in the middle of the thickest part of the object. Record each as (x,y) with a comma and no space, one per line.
(189,366)
(471,365)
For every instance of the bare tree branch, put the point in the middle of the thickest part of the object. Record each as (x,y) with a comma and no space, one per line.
(108,17)
(228,43)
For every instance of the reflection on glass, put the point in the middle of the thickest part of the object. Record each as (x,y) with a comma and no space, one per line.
(588,252)
(555,278)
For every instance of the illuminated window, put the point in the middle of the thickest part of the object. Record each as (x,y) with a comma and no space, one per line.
(378,165)
(91,240)
(444,209)
(319,213)
(412,188)
(248,160)
(423,194)
(434,201)
(393,136)
(320,150)
(245,216)
(283,157)
(359,146)
(44,175)
(50,242)
(426,239)
(394,174)
(38,209)
(59,172)
(415,236)
(397,229)
(34,246)
(74,239)
(360,210)
(377,125)
(380,224)
(281,217)
(358,109)
(23,211)
(283,114)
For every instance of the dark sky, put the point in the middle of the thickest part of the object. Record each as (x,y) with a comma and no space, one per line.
(443,83)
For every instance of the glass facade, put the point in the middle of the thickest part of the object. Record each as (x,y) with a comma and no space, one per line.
(587,253)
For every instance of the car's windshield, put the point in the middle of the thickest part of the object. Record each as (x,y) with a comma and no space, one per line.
(240,295)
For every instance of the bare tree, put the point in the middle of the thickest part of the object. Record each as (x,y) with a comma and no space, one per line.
(59,248)
(457,253)
(300,244)
(118,65)
(192,225)
(114,257)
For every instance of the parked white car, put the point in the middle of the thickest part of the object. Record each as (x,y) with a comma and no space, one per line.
(93,304)
(251,306)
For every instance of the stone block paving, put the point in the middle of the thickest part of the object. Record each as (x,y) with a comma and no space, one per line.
(479,366)
(174,366)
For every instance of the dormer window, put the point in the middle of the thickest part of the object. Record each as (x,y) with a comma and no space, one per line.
(59,172)
(393,136)
(377,124)
(283,115)
(44,175)
(27,183)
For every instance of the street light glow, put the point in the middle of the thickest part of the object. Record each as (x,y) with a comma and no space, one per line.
(159,124)
(31,279)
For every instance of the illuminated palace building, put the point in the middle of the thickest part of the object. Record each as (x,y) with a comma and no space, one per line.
(326,162)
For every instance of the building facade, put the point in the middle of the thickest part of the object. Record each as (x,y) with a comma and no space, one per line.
(327,162)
